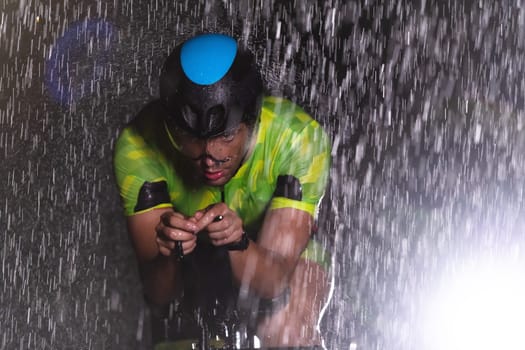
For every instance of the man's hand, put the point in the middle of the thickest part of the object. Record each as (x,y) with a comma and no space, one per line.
(176,233)
(222,224)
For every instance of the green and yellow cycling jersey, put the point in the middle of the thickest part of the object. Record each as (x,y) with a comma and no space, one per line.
(288,143)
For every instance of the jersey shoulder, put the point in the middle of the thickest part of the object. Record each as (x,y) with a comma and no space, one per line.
(138,159)
(142,132)
(286,125)
(281,112)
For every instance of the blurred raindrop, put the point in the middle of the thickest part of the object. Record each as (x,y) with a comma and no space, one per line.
(423,102)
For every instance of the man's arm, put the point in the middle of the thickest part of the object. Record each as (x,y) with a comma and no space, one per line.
(267,265)
(159,268)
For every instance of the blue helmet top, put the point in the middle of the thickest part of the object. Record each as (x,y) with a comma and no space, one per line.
(209,85)
(205,59)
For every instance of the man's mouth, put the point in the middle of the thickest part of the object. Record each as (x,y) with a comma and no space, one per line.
(213,175)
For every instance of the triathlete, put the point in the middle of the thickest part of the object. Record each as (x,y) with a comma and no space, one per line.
(221,186)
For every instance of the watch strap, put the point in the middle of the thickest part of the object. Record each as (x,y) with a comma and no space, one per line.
(241,245)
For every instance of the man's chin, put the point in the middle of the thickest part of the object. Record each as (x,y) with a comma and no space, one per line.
(214,183)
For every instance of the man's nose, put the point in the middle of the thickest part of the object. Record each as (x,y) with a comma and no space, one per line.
(209,161)
(210,147)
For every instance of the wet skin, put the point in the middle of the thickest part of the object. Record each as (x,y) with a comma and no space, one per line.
(217,159)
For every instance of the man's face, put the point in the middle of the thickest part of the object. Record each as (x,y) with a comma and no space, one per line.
(216,159)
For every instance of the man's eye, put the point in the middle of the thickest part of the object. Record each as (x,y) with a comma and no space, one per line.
(228,136)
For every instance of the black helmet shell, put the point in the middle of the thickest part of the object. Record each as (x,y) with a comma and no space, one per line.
(208,86)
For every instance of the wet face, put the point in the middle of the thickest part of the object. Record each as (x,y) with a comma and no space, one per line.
(215,160)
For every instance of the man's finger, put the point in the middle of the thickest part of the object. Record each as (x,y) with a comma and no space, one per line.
(177,220)
(175,234)
(164,251)
(212,214)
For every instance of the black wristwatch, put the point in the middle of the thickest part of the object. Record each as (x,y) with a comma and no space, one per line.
(241,245)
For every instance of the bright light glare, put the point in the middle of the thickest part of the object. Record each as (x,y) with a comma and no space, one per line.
(480,308)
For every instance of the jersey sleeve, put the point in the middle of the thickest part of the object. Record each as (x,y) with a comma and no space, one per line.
(139,174)
(304,169)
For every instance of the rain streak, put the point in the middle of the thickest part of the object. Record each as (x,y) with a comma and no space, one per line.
(424,105)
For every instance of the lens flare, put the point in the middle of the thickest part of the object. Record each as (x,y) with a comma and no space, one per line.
(481,306)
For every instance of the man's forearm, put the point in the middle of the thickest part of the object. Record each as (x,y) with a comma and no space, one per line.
(160,279)
(265,273)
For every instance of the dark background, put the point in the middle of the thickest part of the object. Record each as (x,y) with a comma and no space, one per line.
(423,102)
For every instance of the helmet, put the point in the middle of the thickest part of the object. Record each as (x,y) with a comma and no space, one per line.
(209,85)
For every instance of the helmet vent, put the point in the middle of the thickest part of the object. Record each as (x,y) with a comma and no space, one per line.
(215,119)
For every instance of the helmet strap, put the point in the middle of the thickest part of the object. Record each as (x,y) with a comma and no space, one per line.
(170,137)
